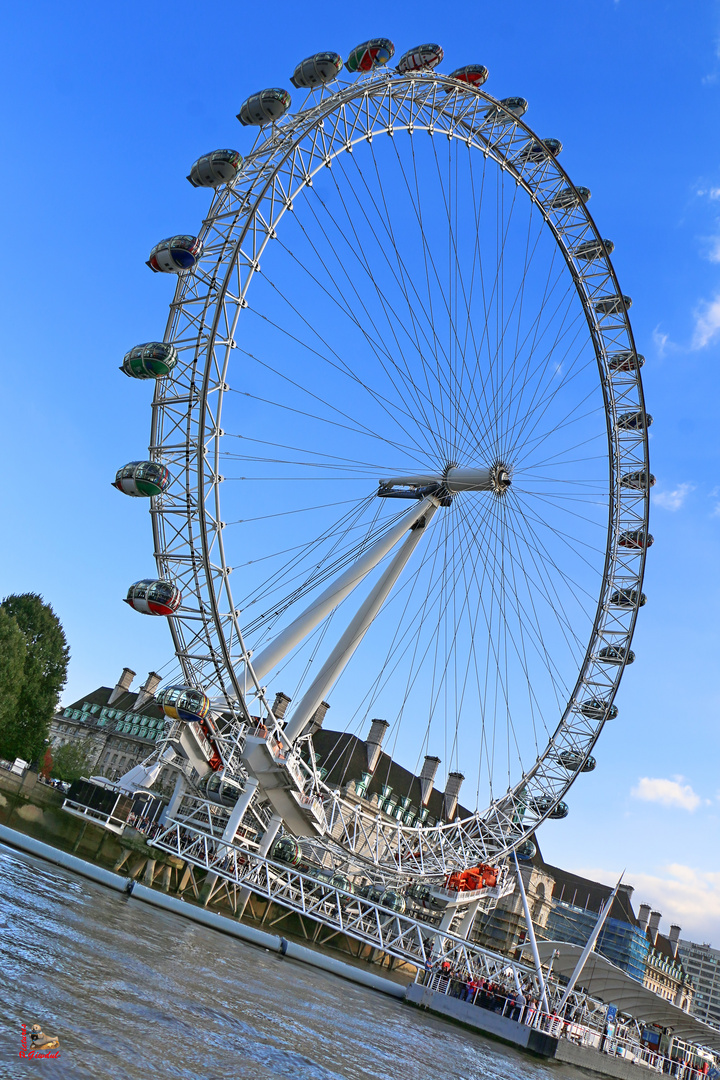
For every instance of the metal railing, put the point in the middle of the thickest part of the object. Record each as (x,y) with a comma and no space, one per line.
(582,1029)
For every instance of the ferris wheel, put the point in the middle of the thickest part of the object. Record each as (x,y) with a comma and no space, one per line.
(399,454)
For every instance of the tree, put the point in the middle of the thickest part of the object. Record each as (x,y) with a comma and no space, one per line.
(43,676)
(72,760)
(13,648)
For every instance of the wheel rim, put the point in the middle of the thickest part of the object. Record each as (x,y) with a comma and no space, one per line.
(187,412)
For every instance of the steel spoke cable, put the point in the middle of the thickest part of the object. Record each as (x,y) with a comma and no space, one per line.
(374,341)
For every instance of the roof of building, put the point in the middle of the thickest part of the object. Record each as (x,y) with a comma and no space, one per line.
(345,757)
(584,893)
(123,703)
(665,949)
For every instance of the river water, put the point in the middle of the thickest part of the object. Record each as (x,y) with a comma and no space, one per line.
(135,993)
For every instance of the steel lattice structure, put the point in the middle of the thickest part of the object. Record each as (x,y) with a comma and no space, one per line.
(245,218)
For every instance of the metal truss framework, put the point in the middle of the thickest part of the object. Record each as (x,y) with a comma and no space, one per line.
(243,220)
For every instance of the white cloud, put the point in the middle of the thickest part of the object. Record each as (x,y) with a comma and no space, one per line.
(684,895)
(660,341)
(707,323)
(713,250)
(673,500)
(667,793)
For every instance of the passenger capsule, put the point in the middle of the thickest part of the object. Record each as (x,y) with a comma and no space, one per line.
(593,249)
(393,900)
(569,197)
(154,360)
(635,538)
(596,709)
(184,703)
(536,151)
(617,654)
(176,255)
(286,850)
(472,74)
(419,893)
(573,761)
(634,421)
(421,58)
(638,481)
(142,478)
(612,305)
(628,598)
(625,361)
(317,70)
(339,881)
(543,804)
(527,850)
(154,597)
(512,107)
(212,170)
(265,107)
(370,54)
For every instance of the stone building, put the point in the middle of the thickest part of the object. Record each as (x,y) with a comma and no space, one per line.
(118,726)
(503,929)
(664,971)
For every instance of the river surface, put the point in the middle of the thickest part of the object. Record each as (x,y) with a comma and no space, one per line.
(135,993)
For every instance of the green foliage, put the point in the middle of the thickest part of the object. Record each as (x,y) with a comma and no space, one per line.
(13,648)
(34,690)
(72,760)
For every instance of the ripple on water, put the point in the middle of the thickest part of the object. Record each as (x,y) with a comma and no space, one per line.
(136,993)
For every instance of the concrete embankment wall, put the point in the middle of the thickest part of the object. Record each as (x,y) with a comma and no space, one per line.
(248,934)
(587,1058)
(489,1023)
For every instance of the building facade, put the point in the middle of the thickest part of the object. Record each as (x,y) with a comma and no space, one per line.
(117,726)
(665,974)
(702,964)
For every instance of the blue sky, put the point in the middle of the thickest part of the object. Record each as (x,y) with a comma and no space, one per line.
(110,104)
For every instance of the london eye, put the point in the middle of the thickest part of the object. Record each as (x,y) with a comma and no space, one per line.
(398,464)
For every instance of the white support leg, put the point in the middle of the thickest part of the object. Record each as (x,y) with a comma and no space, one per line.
(466,925)
(348,643)
(300,627)
(238,810)
(236,816)
(531,936)
(176,798)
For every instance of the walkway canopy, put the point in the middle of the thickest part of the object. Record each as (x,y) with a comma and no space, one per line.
(611,985)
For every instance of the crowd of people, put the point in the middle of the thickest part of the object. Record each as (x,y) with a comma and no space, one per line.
(515,1002)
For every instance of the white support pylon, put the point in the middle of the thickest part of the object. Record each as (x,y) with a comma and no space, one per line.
(323,604)
(532,938)
(339,657)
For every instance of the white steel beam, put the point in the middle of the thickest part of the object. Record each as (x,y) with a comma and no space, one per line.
(322,605)
(340,656)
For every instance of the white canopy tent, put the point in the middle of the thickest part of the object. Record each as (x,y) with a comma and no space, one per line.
(611,985)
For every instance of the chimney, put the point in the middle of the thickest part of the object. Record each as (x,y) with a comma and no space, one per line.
(654,925)
(374,742)
(643,916)
(427,777)
(673,938)
(317,718)
(122,685)
(280,705)
(147,690)
(452,790)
